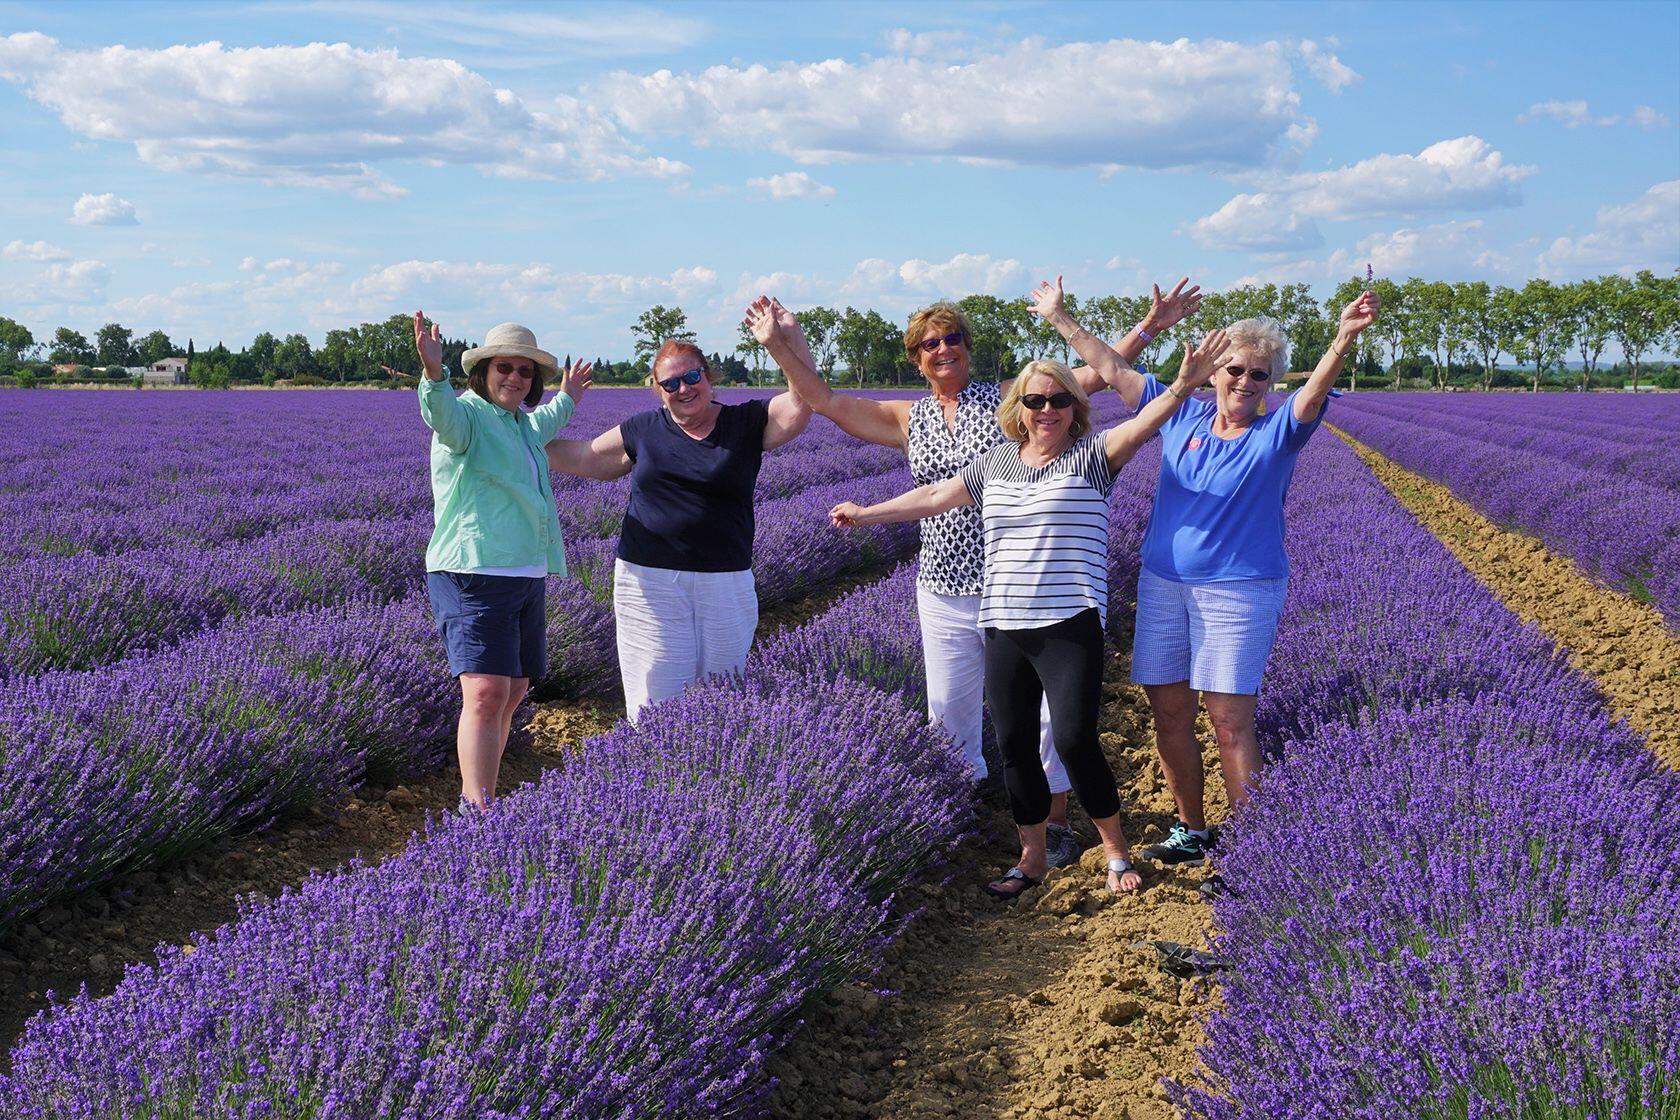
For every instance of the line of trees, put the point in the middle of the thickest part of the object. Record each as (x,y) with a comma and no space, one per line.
(1430,331)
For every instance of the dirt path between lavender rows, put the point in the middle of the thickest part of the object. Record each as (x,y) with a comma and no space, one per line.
(91,939)
(1622,644)
(1044,1009)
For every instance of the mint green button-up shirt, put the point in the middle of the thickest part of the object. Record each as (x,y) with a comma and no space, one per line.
(486,510)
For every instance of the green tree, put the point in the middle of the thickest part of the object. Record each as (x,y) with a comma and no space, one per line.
(1590,323)
(871,347)
(1541,326)
(991,350)
(15,338)
(70,348)
(819,325)
(1642,311)
(293,358)
(655,327)
(115,344)
(753,349)
(154,348)
(261,354)
(1346,292)
(1391,326)
(335,354)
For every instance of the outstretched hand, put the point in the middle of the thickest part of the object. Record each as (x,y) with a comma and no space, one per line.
(845,515)
(760,318)
(1173,308)
(1361,313)
(429,345)
(576,378)
(1048,300)
(1200,361)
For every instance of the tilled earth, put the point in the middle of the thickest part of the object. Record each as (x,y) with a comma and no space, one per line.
(1621,643)
(1050,1007)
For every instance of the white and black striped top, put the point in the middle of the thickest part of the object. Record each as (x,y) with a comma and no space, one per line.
(1046,533)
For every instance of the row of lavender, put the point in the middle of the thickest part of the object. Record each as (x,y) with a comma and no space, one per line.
(1594,477)
(628,937)
(1459,891)
(176,523)
(129,765)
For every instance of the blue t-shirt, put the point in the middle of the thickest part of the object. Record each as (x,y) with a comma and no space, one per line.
(691,500)
(1219,505)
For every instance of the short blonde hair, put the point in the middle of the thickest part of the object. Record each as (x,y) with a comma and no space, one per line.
(943,317)
(1267,337)
(1009,412)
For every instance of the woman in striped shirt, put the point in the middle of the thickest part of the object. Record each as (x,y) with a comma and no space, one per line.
(1043,501)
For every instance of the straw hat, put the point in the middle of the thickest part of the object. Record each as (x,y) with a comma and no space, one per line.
(513,341)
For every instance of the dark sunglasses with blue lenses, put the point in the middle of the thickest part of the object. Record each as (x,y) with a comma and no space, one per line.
(692,377)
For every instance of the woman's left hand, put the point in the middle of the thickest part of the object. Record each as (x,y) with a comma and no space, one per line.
(845,515)
(760,318)
(576,379)
(1359,314)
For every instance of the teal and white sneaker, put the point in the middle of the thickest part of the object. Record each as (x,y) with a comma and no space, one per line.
(1181,848)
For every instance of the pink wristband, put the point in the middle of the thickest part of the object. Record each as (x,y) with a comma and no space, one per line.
(1143,334)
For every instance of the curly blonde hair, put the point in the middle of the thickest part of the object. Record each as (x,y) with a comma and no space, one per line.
(1009,412)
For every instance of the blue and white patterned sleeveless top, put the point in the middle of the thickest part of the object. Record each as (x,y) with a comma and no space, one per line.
(953,554)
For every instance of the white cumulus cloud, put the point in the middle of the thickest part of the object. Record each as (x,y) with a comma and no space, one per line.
(321,115)
(1465,173)
(1643,233)
(1326,67)
(791,185)
(1117,103)
(103,210)
(79,282)
(34,251)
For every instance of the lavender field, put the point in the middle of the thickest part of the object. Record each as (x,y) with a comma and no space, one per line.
(1594,476)
(1458,895)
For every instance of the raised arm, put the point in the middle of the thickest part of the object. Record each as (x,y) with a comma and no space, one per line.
(1308,401)
(1112,365)
(438,406)
(883,422)
(557,412)
(602,457)
(1122,441)
(775,328)
(912,505)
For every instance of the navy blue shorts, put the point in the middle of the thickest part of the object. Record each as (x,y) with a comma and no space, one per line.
(491,624)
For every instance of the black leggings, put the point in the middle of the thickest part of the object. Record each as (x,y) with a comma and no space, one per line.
(1063,661)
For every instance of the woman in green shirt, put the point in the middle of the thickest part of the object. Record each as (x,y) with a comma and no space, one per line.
(495,535)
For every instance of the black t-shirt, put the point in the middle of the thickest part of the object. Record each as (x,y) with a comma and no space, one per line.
(691,500)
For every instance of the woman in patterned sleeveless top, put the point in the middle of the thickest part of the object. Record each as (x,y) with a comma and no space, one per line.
(941,433)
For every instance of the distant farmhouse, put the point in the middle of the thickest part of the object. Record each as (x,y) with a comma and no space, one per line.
(170,371)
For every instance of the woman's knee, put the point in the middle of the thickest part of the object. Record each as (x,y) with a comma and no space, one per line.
(1232,718)
(1173,707)
(483,694)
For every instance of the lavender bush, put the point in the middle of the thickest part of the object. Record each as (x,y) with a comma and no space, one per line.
(1595,476)
(1458,889)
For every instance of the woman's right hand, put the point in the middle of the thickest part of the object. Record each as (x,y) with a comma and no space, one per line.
(1047,300)
(429,345)
(845,515)
(760,318)
(575,379)
(1200,361)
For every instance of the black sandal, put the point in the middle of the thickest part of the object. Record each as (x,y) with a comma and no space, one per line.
(1027,884)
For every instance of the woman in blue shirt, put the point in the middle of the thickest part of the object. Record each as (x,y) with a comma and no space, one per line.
(1214,570)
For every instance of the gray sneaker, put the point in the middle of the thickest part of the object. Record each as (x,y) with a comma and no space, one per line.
(1061,845)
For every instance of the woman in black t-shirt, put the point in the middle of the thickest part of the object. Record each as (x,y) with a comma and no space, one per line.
(683,593)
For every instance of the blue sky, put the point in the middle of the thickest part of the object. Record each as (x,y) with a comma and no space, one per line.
(219,170)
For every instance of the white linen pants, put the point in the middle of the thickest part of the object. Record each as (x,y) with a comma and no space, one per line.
(953,646)
(675,628)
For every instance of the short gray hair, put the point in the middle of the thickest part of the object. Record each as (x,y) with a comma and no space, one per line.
(1265,335)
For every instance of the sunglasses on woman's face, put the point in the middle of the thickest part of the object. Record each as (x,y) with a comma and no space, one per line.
(1253,374)
(692,377)
(508,369)
(1032,402)
(953,340)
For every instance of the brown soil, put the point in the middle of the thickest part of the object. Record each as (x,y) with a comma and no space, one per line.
(93,937)
(1044,1008)
(1622,644)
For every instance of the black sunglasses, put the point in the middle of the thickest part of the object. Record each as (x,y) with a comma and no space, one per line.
(507,369)
(692,377)
(929,345)
(1253,374)
(1032,402)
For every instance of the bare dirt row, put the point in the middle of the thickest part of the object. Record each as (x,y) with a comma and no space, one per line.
(1050,1008)
(1621,643)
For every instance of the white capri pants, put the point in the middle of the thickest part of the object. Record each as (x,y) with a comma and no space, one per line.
(953,648)
(675,628)
(1217,636)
